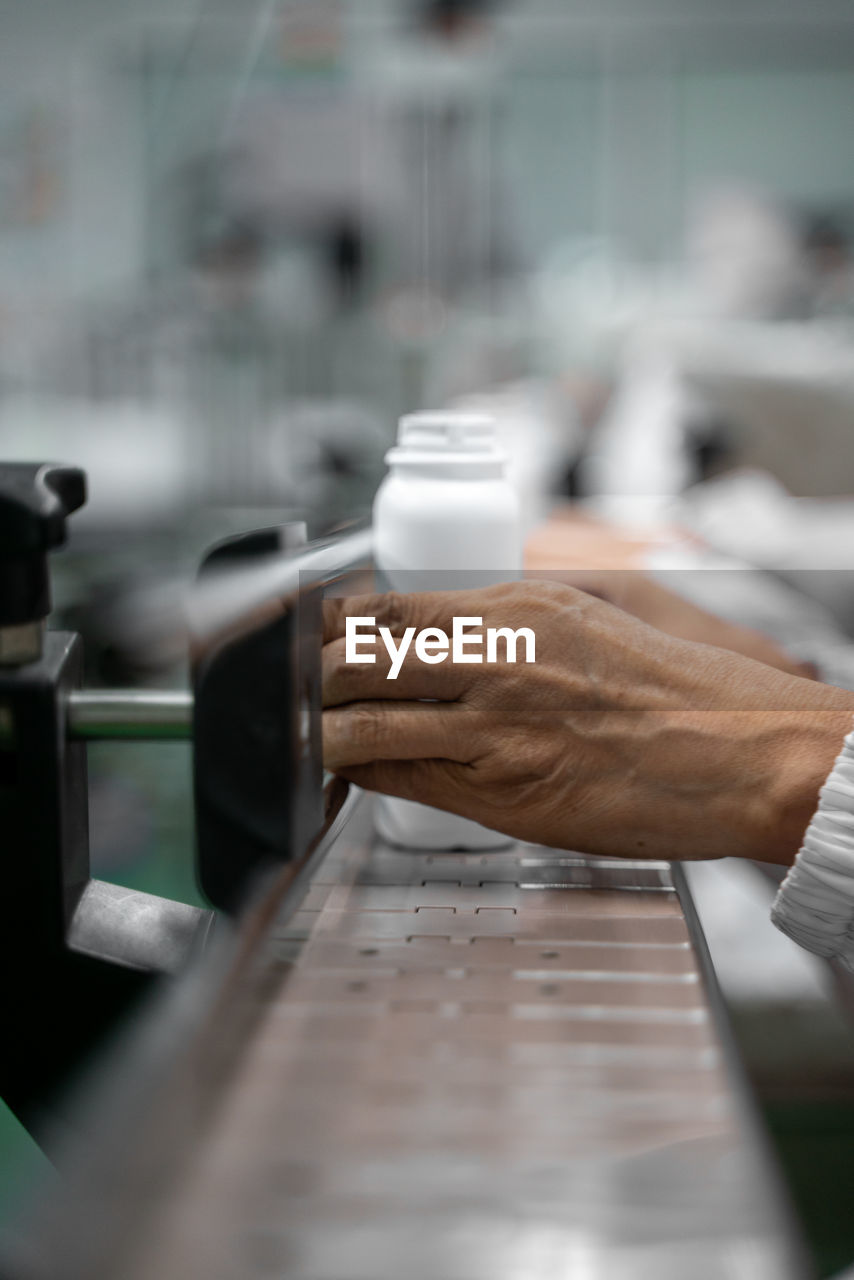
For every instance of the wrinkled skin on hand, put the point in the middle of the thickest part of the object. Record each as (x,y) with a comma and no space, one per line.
(618,740)
(653,603)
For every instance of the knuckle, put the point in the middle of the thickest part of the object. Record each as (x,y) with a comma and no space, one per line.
(518,602)
(393,610)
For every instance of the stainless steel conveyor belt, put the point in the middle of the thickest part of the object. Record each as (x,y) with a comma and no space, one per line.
(477,1067)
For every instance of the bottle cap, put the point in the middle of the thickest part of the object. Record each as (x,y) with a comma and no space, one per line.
(449,444)
(447,432)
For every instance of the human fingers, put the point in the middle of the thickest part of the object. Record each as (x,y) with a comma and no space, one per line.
(363,732)
(389,676)
(394,610)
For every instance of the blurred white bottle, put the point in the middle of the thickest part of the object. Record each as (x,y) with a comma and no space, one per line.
(445,518)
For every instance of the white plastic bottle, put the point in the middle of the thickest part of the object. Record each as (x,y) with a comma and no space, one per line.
(445,507)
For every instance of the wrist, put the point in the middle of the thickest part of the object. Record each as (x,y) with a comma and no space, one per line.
(805,746)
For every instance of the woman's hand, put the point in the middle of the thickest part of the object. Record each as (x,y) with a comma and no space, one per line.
(617,740)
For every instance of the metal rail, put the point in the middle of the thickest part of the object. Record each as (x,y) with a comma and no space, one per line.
(129,714)
(467,1066)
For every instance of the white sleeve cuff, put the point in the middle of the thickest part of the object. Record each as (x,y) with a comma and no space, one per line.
(815,902)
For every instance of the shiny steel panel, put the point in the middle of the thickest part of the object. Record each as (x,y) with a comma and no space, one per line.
(455,1076)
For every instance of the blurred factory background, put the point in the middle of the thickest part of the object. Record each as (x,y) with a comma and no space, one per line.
(238,239)
(234,245)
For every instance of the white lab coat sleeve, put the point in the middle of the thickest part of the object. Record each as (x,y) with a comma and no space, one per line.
(815,902)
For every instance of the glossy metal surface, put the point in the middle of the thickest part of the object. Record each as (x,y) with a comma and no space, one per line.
(129,713)
(499,1066)
(136,930)
(225,597)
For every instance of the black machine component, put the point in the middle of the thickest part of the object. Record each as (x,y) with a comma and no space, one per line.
(77,953)
(258,776)
(36,501)
(56,1000)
